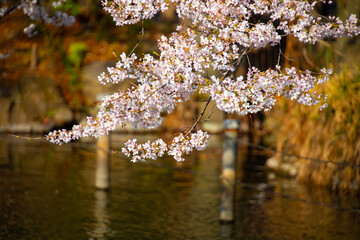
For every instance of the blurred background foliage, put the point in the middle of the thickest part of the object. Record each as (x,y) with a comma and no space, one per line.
(328,140)
(62,51)
(333,134)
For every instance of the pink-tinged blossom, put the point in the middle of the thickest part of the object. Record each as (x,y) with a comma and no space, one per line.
(179,146)
(132,11)
(203,57)
(184,144)
(38,12)
(30,30)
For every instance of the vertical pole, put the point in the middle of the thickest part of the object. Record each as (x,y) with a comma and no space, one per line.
(229,157)
(102,172)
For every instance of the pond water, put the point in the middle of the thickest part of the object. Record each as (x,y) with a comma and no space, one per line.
(46,192)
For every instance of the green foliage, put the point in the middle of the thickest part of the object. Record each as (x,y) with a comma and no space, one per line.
(77,52)
(70,7)
(72,62)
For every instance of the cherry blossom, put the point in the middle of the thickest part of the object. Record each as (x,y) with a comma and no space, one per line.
(37,12)
(182,144)
(203,57)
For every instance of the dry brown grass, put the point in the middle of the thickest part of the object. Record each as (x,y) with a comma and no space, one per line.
(333,134)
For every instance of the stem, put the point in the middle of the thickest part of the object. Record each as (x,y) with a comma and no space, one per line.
(142,38)
(11,9)
(198,118)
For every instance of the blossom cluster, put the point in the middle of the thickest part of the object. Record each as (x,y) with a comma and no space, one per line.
(233,20)
(36,12)
(260,89)
(182,144)
(204,57)
(148,150)
(129,12)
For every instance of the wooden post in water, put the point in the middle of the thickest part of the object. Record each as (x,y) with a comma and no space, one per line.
(102,172)
(229,158)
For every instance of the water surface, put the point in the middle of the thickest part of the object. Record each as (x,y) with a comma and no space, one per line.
(46,192)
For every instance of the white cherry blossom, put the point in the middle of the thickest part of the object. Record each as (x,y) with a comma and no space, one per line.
(37,12)
(203,57)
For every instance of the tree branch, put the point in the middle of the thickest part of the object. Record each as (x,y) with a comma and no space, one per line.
(198,118)
(11,9)
(142,38)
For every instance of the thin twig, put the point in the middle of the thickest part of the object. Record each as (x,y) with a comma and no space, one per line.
(27,138)
(279,56)
(142,38)
(289,59)
(11,9)
(198,118)
(152,93)
(308,59)
(210,114)
(249,63)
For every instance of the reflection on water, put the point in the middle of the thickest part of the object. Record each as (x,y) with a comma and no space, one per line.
(46,192)
(101,227)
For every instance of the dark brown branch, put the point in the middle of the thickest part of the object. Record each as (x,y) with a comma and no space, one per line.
(198,118)
(11,9)
(142,38)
